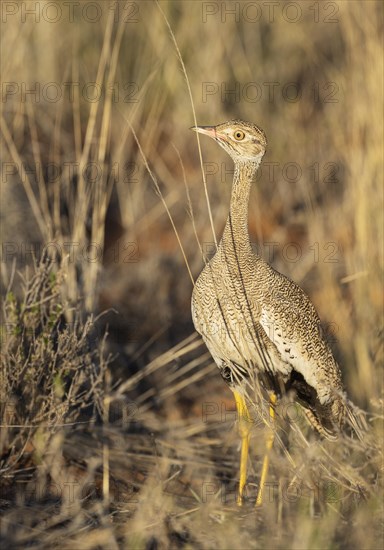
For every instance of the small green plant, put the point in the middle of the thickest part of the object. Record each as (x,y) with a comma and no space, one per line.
(50,372)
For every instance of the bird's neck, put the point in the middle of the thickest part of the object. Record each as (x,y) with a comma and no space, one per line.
(236,236)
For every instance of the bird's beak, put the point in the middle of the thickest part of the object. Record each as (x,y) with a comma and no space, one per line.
(207,130)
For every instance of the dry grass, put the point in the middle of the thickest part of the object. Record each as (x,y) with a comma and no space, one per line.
(117,431)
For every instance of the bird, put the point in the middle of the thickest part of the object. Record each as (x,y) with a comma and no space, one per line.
(260,327)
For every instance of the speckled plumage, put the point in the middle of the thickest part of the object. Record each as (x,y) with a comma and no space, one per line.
(252,318)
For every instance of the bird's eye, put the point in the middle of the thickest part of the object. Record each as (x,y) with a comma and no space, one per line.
(239,135)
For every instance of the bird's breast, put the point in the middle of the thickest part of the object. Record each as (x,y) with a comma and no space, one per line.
(226,312)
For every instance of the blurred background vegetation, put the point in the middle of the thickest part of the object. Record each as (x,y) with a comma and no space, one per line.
(89,250)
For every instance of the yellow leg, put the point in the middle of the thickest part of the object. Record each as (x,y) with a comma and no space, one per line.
(244,430)
(269,445)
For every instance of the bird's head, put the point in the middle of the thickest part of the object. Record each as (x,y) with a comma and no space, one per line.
(243,141)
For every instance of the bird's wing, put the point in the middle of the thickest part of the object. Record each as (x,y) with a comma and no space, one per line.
(287,330)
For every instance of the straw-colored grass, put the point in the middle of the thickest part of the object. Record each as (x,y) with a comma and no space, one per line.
(117,431)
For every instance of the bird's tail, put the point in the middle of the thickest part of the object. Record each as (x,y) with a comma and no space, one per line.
(319,426)
(355,419)
(343,415)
